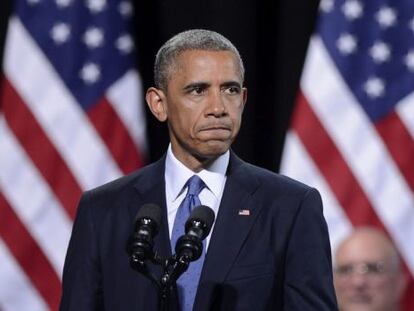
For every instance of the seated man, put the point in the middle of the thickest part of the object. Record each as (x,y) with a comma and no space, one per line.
(368,273)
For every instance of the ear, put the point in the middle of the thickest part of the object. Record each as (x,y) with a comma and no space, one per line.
(244,93)
(157,103)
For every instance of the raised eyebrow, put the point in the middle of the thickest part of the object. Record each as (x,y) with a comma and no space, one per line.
(194,85)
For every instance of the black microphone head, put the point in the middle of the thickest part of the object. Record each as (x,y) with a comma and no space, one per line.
(201,214)
(140,243)
(149,211)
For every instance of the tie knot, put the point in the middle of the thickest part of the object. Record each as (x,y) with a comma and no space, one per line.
(195,185)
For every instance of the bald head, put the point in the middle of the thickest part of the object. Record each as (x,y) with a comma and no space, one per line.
(368,244)
(368,275)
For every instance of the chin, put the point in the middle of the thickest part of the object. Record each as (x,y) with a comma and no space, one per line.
(213,150)
(359,307)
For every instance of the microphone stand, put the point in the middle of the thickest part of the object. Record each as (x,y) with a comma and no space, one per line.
(188,248)
(139,265)
(173,267)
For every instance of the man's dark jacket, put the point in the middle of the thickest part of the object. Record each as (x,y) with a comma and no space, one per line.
(269,249)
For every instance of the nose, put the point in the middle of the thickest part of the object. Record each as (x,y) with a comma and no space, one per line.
(358,280)
(217,105)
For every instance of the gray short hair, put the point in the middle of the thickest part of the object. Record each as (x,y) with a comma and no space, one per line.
(194,39)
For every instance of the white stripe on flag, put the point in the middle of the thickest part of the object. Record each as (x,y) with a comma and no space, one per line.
(32,199)
(16,290)
(56,110)
(361,147)
(405,110)
(297,163)
(130,108)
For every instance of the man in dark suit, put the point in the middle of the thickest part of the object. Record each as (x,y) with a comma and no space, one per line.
(269,247)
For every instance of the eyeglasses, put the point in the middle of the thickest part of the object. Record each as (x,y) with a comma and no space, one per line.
(363,268)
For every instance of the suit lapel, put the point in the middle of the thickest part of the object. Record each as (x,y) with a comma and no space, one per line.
(150,188)
(231,227)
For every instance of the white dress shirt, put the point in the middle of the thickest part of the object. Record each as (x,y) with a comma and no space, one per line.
(177,174)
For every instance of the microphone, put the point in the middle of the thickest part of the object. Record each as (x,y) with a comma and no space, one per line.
(146,225)
(189,246)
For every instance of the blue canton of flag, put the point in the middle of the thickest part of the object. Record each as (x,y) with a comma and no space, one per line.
(98,32)
(372,43)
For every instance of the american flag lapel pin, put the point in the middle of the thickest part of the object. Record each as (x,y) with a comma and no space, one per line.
(244,212)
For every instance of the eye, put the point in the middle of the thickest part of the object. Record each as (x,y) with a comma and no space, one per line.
(232,90)
(374,267)
(344,269)
(197,90)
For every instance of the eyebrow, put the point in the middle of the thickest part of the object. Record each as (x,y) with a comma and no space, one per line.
(231,83)
(206,85)
(196,85)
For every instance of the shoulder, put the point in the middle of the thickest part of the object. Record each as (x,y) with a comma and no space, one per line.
(284,186)
(102,205)
(271,181)
(122,186)
(272,178)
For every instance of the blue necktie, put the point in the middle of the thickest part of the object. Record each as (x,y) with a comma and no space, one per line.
(187,283)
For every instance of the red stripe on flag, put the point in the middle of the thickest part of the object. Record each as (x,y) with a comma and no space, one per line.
(400,145)
(332,165)
(115,135)
(339,176)
(29,256)
(41,151)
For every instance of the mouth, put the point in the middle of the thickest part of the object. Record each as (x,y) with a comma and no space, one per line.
(217,127)
(218,132)
(215,132)
(361,299)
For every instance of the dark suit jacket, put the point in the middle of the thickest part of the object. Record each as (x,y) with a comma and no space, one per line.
(276,258)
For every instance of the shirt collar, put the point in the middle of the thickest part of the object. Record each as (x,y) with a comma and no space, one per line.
(177,174)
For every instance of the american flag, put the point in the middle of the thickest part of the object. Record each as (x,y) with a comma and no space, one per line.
(71,118)
(352,133)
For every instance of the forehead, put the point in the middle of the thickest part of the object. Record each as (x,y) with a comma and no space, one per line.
(364,247)
(207,64)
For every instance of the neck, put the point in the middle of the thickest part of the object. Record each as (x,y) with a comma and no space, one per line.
(194,163)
